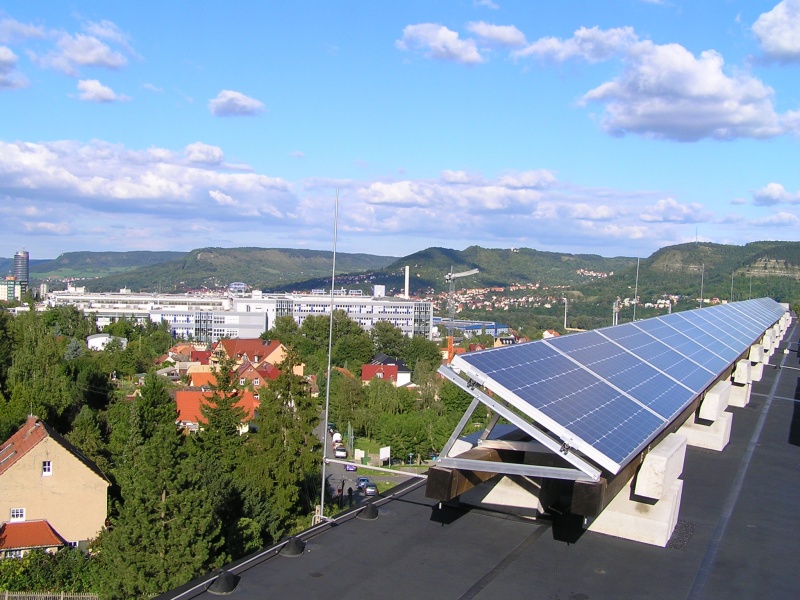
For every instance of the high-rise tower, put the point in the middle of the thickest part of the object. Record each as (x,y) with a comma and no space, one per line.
(21,268)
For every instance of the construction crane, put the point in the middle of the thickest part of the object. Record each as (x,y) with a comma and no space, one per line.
(451,305)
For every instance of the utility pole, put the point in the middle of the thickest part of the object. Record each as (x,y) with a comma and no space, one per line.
(565,313)
(702,281)
(636,290)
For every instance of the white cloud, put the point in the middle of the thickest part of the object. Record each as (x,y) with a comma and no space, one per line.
(204,154)
(106,30)
(778,31)
(591,44)
(297,154)
(781,219)
(503,35)
(665,92)
(455,176)
(222,198)
(14,31)
(229,103)
(440,43)
(81,50)
(152,88)
(9,78)
(669,210)
(538,179)
(94,91)
(486,4)
(774,193)
(592,212)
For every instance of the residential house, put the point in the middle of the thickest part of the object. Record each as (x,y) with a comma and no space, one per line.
(190,408)
(254,350)
(383,366)
(44,478)
(99,341)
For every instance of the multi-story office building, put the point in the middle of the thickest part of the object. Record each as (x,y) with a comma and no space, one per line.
(10,289)
(22,268)
(210,317)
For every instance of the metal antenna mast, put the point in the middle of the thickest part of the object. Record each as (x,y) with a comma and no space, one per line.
(328,381)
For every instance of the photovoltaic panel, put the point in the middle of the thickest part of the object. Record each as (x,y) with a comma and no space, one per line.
(607,393)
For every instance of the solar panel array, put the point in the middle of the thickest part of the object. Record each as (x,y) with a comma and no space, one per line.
(609,392)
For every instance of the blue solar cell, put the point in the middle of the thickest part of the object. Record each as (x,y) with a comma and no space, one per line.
(660,356)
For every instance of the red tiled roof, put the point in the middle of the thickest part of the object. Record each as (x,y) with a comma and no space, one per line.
(201,356)
(387,372)
(29,534)
(202,378)
(255,349)
(15,447)
(189,403)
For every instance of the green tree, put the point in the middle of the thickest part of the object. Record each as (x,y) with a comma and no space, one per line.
(282,454)
(87,437)
(285,330)
(353,351)
(388,339)
(166,531)
(419,350)
(70,322)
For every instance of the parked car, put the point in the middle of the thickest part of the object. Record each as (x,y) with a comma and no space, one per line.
(350,467)
(362,481)
(340,452)
(370,489)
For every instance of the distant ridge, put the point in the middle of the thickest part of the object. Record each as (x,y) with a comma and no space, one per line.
(287,269)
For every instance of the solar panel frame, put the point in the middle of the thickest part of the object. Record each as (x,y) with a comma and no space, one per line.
(607,393)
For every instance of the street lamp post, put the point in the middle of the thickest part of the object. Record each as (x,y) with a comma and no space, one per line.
(565,313)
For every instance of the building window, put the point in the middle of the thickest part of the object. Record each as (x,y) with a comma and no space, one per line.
(47,468)
(242,381)
(256,381)
(17,514)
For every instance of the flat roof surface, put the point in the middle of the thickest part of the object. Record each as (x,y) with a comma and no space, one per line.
(738,533)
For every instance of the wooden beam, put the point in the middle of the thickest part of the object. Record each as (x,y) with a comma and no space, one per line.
(446,484)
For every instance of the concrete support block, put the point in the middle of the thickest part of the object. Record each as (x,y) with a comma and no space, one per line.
(740,395)
(756,353)
(715,401)
(712,437)
(742,373)
(661,468)
(459,447)
(767,341)
(641,522)
(524,496)
(757,371)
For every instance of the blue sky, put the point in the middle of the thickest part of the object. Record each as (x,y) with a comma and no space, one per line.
(613,128)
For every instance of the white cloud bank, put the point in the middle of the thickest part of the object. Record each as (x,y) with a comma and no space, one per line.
(104,195)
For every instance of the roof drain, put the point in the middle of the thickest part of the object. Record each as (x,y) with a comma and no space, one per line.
(294,547)
(225,583)
(370,513)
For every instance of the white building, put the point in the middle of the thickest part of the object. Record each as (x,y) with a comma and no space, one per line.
(210,317)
